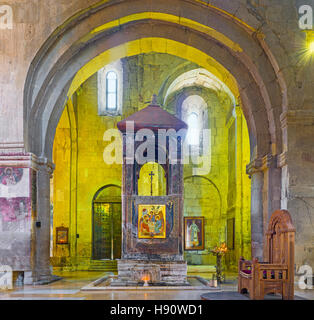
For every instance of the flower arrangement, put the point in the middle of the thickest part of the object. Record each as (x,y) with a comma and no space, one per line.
(220,250)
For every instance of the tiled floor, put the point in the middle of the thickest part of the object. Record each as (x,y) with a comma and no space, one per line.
(69,289)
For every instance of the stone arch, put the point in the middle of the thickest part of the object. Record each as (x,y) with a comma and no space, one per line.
(103,200)
(202,32)
(45,128)
(195,78)
(211,183)
(107,186)
(255,87)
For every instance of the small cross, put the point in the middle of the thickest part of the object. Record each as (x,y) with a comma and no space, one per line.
(151,182)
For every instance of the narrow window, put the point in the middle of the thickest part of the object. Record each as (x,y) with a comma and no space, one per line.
(111,91)
(193,131)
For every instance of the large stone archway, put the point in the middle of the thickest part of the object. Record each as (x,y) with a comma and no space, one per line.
(237,50)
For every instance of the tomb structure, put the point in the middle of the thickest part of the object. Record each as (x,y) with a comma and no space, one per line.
(152,226)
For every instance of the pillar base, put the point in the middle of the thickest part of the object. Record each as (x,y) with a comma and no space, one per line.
(36,278)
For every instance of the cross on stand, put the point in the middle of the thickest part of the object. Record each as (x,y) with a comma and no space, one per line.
(151,182)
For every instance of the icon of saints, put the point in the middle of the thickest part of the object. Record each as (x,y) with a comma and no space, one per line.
(151,223)
(158,223)
(145,223)
(194,230)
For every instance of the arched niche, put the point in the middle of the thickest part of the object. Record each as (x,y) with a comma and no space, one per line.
(202,198)
(152,180)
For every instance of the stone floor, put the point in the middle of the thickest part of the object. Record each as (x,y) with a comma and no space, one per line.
(69,289)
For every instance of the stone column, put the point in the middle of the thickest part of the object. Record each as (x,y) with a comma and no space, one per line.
(272,187)
(257,231)
(41,228)
(265,198)
(297,162)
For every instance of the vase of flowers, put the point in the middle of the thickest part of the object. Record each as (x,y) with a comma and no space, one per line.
(219,252)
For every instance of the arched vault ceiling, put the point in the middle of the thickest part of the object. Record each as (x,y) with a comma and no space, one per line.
(174,19)
(198,77)
(159,45)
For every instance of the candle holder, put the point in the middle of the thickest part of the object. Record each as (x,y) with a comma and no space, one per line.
(219,252)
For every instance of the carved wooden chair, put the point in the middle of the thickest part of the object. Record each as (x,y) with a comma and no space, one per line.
(276,274)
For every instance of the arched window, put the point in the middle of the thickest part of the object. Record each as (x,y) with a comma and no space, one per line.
(110,86)
(193,134)
(111,91)
(194,113)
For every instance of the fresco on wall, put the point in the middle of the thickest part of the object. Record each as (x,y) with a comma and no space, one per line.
(14,213)
(10,176)
(151,221)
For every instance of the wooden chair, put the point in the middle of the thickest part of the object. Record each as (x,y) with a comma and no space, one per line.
(276,275)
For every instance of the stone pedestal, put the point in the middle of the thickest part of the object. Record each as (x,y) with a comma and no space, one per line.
(154,272)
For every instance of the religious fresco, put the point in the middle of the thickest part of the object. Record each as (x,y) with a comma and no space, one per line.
(151,221)
(10,176)
(194,233)
(13,213)
(15,203)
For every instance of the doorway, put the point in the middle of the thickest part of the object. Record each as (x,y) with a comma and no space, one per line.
(107,223)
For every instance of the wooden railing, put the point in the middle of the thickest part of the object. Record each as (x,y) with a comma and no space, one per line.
(275,272)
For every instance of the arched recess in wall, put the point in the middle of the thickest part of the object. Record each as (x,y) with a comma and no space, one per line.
(106,207)
(208,182)
(203,199)
(152,180)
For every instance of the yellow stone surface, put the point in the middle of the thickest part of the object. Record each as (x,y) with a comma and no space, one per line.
(222,194)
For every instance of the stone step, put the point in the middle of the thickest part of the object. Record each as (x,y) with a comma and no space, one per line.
(103,265)
(201,269)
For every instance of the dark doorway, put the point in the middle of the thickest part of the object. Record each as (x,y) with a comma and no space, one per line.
(107,223)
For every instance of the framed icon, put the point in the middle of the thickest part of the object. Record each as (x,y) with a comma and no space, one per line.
(152,221)
(194,233)
(62,235)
